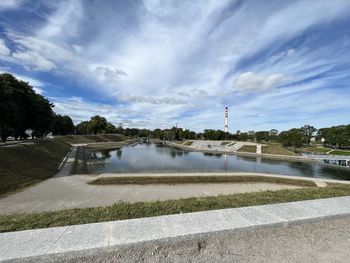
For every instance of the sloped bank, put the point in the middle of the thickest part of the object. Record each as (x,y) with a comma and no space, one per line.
(23,165)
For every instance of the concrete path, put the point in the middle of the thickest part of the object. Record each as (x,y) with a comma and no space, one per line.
(65,168)
(258,149)
(63,192)
(273,233)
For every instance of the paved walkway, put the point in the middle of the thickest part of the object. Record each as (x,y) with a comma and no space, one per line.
(286,232)
(64,192)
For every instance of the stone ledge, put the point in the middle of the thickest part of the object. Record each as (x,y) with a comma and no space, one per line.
(84,238)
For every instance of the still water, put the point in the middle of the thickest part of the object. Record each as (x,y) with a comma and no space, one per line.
(161,158)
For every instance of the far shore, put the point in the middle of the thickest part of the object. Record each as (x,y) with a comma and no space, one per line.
(246,154)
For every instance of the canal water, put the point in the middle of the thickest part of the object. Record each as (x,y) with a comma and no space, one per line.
(162,158)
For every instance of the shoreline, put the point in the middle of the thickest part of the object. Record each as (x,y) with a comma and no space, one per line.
(256,155)
(245,154)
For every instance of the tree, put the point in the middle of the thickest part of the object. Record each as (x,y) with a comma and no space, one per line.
(273,134)
(62,125)
(22,108)
(293,137)
(337,136)
(97,124)
(111,128)
(308,132)
(261,136)
(83,128)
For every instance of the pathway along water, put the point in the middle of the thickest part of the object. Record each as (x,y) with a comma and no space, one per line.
(162,158)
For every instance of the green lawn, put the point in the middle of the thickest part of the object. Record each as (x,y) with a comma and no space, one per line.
(146,209)
(200,180)
(276,149)
(24,165)
(340,152)
(187,143)
(248,149)
(315,149)
(90,138)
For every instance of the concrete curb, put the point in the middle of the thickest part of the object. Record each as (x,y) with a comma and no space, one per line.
(110,235)
(66,166)
(64,159)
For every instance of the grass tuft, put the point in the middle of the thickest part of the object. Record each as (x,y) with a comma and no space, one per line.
(142,180)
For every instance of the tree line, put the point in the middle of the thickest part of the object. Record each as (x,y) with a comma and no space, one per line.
(22,109)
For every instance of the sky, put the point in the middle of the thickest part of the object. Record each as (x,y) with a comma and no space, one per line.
(156,64)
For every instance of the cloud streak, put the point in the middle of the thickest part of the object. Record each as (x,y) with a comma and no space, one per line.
(152,58)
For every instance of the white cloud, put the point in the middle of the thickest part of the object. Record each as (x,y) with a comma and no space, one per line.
(9,4)
(34,60)
(250,81)
(4,50)
(157,53)
(151,100)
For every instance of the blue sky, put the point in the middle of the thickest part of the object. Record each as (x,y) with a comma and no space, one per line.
(275,64)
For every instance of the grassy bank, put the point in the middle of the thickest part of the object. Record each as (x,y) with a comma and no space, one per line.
(23,165)
(27,164)
(340,152)
(91,138)
(146,209)
(276,149)
(200,179)
(247,149)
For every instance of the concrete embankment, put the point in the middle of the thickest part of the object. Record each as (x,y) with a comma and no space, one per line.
(244,154)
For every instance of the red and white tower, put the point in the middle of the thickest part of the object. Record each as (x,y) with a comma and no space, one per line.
(226,119)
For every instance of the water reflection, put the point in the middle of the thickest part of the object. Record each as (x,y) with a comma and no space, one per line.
(161,158)
(119,153)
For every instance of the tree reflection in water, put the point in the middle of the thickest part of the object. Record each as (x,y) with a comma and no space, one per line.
(119,153)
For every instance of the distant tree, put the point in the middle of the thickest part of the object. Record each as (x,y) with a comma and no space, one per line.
(120,129)
(308,131)
(21,108)
(83,128)
(111,128)
(337,136)
(97,124)
(262,136)
(62,125)
(273,134)
(293,137)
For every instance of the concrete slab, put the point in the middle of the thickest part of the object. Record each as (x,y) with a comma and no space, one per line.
(80,238)
(29,243)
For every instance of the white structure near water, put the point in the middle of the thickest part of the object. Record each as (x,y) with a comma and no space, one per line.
(226,119)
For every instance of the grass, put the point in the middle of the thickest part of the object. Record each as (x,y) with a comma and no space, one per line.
(340,152)
(314,149)
(276,149)
(25,165)
(248,149)
(200,179)
(223,143)
(90,138)
(187,143)
(121,210)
